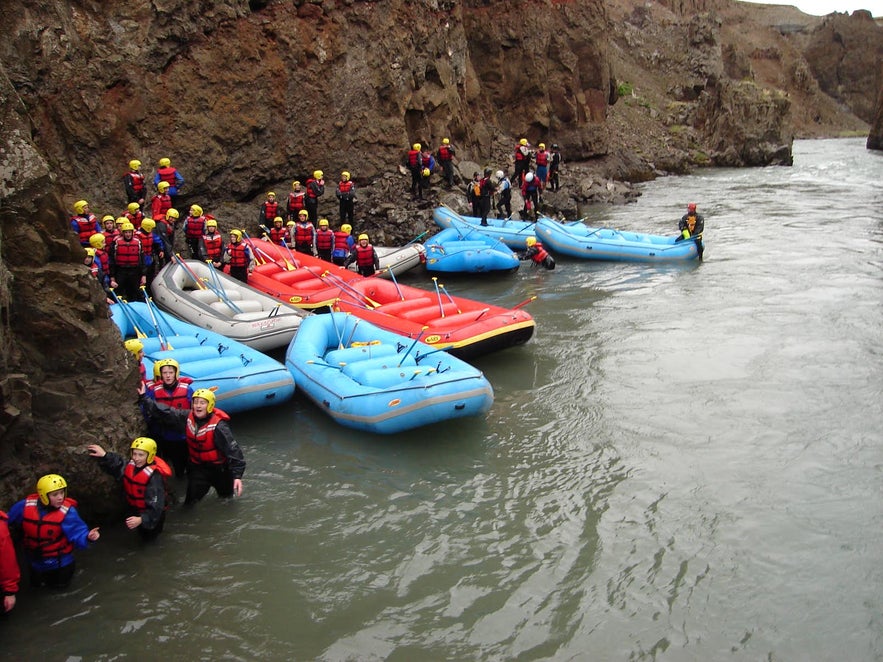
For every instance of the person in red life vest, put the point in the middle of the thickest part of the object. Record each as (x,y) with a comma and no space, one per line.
(127,264)
(522,161)
(172,390)
(211,248)
(143,478)
(94,266)
(315,190)
(136,348)
(295,200)
(487,188)
(530,191)
(270,209)
(161,203)
(52,529)
(365,257)
(343,244)
(238,256)
(133,181)
(324,240)
(10,575)
(83,222)
(346,194)
(98,243)
(537,254)
(109,230)
(214,457)
(554,168)
(542,173)
(691,226)
(290,226)
(194,228)
(304,234)
(170,175)
(151,247)
(414,164)
(446,155)
(134,214)
(277,235)
(170,225)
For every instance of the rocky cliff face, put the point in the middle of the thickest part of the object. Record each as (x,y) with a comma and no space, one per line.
(248,95)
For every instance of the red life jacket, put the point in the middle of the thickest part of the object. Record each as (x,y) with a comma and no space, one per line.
(86,227)
(303,233)
(168,175)
(365,255)
(542,157)
(213,245)
(345,189)
(43,536)
(313,187)
(110,237)
(270,210)
(194,227)
(93,268)
(136,181)
(135,218)
(177,398)
(540,255)
(127,253)
(201,439)
(341,239)
(278,235)
(135,484)
(159,206)
(413,158)
(444,153)
(519,155)
(102,258)
(324,240)
(239,255)
(295,201)
(146,239)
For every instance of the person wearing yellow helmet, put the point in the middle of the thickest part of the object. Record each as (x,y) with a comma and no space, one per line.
(51,529)
(523,156)
(343,244)
(366,258)
(277,234)
(304,234)
(315,190)
(414,164)
(211,248)
(152,248)
(143,478)
(214,458)
(136,348)
(542,171)
(127,269)
(83,222)
(134,183)
(346,196)
(170,175)
(160,205)
(239,256)
(170,389)
(194,228)
(94,265)
(446,155)
(537,254)
(270,209)
(324,240)
(295,200)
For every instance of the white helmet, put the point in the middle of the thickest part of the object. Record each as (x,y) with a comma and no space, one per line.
(499,174)
(529,176)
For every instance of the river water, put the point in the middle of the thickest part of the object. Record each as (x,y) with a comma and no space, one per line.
(684,463)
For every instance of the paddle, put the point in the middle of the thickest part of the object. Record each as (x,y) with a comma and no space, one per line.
(124,306)
(186,267)
(450,298)
(441,307)
(340,282)
(396,283)
(219,290)
(408,351)
(159,334)
(525,302)
(334,324)
(326,365)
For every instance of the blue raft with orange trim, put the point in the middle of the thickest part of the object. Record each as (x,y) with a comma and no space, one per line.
(371,379)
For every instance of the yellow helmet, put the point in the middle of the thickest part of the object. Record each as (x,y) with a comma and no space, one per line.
(133,207)
(345,175)
(208,395)
(90,252)
(426,172)
(445,141)
(49,483)
(162,363)
(523,141)
(97,240)
(127,226)
(363,236)
(148,224)
(108,217)
(119,222)
(346,227)
(323,222)
(236,233)
(290,224)
(317,174)
(530,241)
(134,164)
(279,220)
(173,213)
(147,445)
(295,184)
(211,223)
(162,186)
(416,147)
(134,346)
(80,206)
(541,146)
(271,194)
(165,162)
(303,212)
(195,210)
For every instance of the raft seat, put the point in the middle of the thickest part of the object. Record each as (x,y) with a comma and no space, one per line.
(358,354)
(396,307)
(382,368)
(244,306)
(429,312)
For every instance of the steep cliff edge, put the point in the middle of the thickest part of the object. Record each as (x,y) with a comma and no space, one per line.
(248,95)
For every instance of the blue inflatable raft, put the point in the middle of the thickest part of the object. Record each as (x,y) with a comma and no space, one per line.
(578,240)
(374,380)
(511,233)
(461,249)
(245,378)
